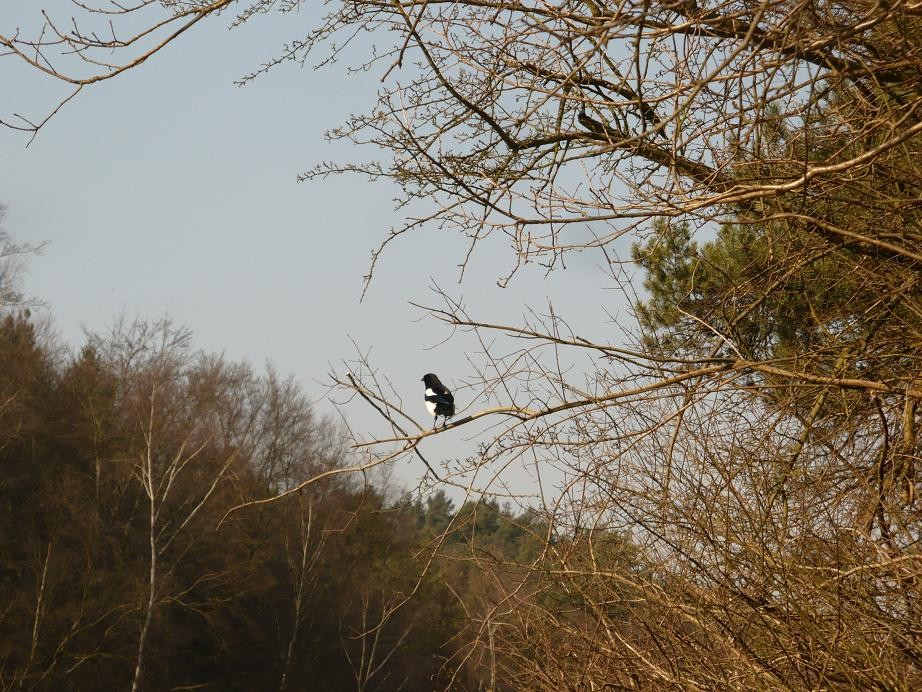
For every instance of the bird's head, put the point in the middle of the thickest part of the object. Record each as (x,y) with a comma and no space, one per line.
(430,379)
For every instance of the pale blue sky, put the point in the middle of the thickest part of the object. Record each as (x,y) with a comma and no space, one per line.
(171,191)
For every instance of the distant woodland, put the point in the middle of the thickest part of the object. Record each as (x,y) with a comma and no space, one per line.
(129,556)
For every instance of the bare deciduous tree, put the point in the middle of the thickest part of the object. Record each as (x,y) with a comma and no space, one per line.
(11,255)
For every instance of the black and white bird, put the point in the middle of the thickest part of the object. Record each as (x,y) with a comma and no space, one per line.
(439,400)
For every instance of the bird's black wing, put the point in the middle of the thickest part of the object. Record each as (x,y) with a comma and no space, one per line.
(441,397)
(444,395)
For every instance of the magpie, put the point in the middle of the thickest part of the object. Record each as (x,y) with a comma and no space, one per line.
(439,400)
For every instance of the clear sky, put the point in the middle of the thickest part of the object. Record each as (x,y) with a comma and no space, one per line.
(170,191)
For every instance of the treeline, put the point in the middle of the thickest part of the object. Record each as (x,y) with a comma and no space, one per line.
(135,552)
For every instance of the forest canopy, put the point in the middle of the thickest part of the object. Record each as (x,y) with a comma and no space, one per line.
(130,558)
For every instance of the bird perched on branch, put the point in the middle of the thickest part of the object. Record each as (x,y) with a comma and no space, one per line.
(439,400)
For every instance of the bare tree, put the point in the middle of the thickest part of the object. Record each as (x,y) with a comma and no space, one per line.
(152,361)
(303,564)
(11,266)
(370,659)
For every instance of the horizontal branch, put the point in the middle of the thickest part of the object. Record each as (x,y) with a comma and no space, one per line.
(525,415)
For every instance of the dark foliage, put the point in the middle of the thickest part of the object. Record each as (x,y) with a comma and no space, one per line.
(328,588)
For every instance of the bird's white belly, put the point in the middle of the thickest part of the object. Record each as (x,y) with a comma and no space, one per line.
(430,405)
